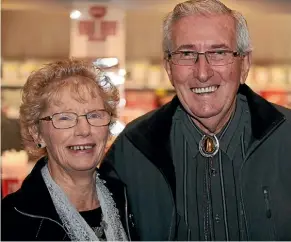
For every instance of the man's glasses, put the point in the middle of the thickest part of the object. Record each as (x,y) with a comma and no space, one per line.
(68,120)
(214,58)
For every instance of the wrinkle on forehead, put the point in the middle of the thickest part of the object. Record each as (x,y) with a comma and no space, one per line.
(80,90)
(206,30)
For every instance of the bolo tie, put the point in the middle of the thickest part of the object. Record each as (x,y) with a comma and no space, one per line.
(208,145)
(208,148)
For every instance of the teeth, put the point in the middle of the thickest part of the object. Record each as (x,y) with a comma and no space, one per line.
(79,147)
(204,89)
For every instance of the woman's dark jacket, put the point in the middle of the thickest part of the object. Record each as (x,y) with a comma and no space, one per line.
(29,214)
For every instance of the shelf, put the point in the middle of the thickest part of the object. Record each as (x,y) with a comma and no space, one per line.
(12,87)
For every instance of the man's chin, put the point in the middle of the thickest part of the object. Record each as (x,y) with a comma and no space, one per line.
(207,114)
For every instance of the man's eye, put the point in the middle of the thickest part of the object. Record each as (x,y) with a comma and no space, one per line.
(219,52)
(187,54)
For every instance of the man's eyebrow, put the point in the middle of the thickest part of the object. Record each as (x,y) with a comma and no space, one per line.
(192,47)
(189,46)
(219,46)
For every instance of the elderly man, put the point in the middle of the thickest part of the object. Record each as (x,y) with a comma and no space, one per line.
(215,162)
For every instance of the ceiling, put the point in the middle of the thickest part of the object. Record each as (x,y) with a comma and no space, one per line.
(273,6)
(269,22)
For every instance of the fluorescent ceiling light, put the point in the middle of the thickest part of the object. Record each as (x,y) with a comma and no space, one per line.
(75,14)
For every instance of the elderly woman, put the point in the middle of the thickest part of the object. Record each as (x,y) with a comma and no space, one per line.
(67,108)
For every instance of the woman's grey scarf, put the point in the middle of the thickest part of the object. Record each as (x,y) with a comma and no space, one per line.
(76,227)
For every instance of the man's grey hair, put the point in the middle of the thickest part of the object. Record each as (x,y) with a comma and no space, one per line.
(205,7)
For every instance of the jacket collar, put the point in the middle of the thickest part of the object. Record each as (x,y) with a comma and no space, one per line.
(264,115)
(33,196)
(151,133)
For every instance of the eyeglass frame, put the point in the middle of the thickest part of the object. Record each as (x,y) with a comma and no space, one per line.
(234,53)
(50,118)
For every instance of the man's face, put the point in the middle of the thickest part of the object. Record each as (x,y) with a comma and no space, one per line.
(207,33)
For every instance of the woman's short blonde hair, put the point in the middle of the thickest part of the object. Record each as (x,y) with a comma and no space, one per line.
(45,85)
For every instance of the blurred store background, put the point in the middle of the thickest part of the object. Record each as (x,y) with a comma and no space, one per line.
(127,35)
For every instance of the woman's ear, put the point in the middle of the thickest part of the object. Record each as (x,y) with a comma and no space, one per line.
(34,132)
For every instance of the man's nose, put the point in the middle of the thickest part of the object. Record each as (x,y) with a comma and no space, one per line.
(203,69)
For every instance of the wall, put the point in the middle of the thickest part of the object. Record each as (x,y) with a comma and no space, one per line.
(35,33)
(271,35)
(46,34)
(143,34)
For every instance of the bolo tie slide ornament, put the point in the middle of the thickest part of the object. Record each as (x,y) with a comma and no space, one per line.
(209,146)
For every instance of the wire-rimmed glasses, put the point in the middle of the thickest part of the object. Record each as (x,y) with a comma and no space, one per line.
(66,120)
(214,58)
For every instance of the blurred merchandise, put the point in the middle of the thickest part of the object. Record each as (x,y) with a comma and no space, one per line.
(289,77)
(129,114)
(27,67)
(10,185)
(270,77)
(14,164)
(164,96)
(10,133)
(279,76)
(273,82)
(137,73)
(262,75)
(10,72)
(11,99)
(15,72)
(278,97)
(288,104)
(15,167)
(154,76)
(140,99)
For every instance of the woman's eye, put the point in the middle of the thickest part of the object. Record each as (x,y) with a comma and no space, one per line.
(64,118)
(94,115)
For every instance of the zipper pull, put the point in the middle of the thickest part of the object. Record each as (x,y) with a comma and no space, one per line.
(267,202)
(131,219)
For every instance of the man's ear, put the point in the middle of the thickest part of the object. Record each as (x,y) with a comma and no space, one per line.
(167,67)
(246,65)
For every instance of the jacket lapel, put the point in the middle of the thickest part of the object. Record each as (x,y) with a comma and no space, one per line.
(264,116)
(34,196)
(151,133)
(153,139)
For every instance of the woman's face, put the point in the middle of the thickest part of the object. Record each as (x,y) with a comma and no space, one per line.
(81,147)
